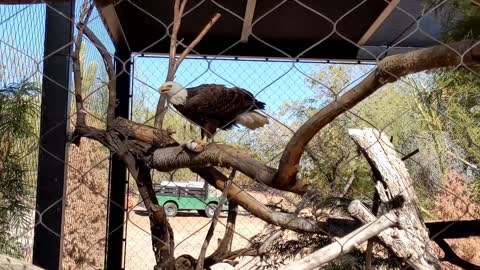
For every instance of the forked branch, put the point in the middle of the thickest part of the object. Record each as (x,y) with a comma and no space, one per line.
(173,62)
(211,230)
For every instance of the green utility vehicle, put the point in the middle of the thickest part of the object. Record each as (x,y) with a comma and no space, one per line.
(181,196)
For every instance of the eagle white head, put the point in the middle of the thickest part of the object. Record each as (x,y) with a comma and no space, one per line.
(175,92)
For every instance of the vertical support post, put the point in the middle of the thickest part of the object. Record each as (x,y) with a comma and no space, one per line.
(52,157)
(115,239)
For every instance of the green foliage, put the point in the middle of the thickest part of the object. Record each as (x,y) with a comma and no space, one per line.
(455,101)
(17,125)
(454,94)
(463,17)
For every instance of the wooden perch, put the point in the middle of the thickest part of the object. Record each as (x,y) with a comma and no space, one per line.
(344,244)
(411,240)
(167,159)
(388,70)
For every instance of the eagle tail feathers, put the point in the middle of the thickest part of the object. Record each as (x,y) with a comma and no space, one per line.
(260,105)
(252,120)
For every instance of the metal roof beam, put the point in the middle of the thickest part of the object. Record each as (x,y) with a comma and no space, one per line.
(376,24)
(114,27)
(247,20)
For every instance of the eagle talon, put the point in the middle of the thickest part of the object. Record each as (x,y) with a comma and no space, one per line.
(196,146)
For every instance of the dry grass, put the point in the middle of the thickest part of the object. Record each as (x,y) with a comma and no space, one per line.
(455,202)
(86,206)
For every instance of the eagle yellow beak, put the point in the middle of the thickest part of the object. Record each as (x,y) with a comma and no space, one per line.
(164,89)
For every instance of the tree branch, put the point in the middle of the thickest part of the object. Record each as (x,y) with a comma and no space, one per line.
(211,230)
(77,69)
(388,70)
(247,201)
(194,43)
(108,61)
(167,159)
(344,244)
(225,246)
(173,62)
(252,251)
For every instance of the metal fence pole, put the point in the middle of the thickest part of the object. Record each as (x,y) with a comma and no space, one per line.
(115,239)
(52,159)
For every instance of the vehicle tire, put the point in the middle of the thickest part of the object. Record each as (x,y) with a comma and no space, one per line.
(171,209)
(210,209)
(202,213)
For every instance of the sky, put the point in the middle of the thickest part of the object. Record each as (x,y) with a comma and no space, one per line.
(273,82)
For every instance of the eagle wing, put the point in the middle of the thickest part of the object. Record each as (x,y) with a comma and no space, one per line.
(218,101)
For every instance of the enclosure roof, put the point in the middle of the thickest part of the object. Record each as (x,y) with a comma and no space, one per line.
(303,28)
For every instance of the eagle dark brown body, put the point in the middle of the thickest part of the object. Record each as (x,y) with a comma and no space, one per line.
(215,106)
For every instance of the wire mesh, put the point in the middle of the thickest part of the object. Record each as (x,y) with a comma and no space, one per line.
(432,118)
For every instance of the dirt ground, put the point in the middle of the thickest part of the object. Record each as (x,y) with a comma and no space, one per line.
(190,230)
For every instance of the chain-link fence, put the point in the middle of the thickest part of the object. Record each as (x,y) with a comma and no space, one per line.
(326,78)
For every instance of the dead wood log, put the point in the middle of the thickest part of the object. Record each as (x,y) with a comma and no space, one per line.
(411,240)
(344,244)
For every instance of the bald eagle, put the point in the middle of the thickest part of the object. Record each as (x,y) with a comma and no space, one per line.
(214,106)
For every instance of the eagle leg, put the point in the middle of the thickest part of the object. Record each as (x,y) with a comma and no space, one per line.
(207,132)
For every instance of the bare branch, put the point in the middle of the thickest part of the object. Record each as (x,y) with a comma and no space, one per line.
(247,201)
(211,230)
(167,159)
(196,40)
(174,63)
(389,69)
(161,110)
(108,61)
(344,244)
(77,70)
(225,246)
(177,20)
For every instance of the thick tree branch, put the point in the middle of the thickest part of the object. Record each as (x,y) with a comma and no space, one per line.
(167,159)
(77,69)
(108,61)
(344,244)
(247,201)
(388,70)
